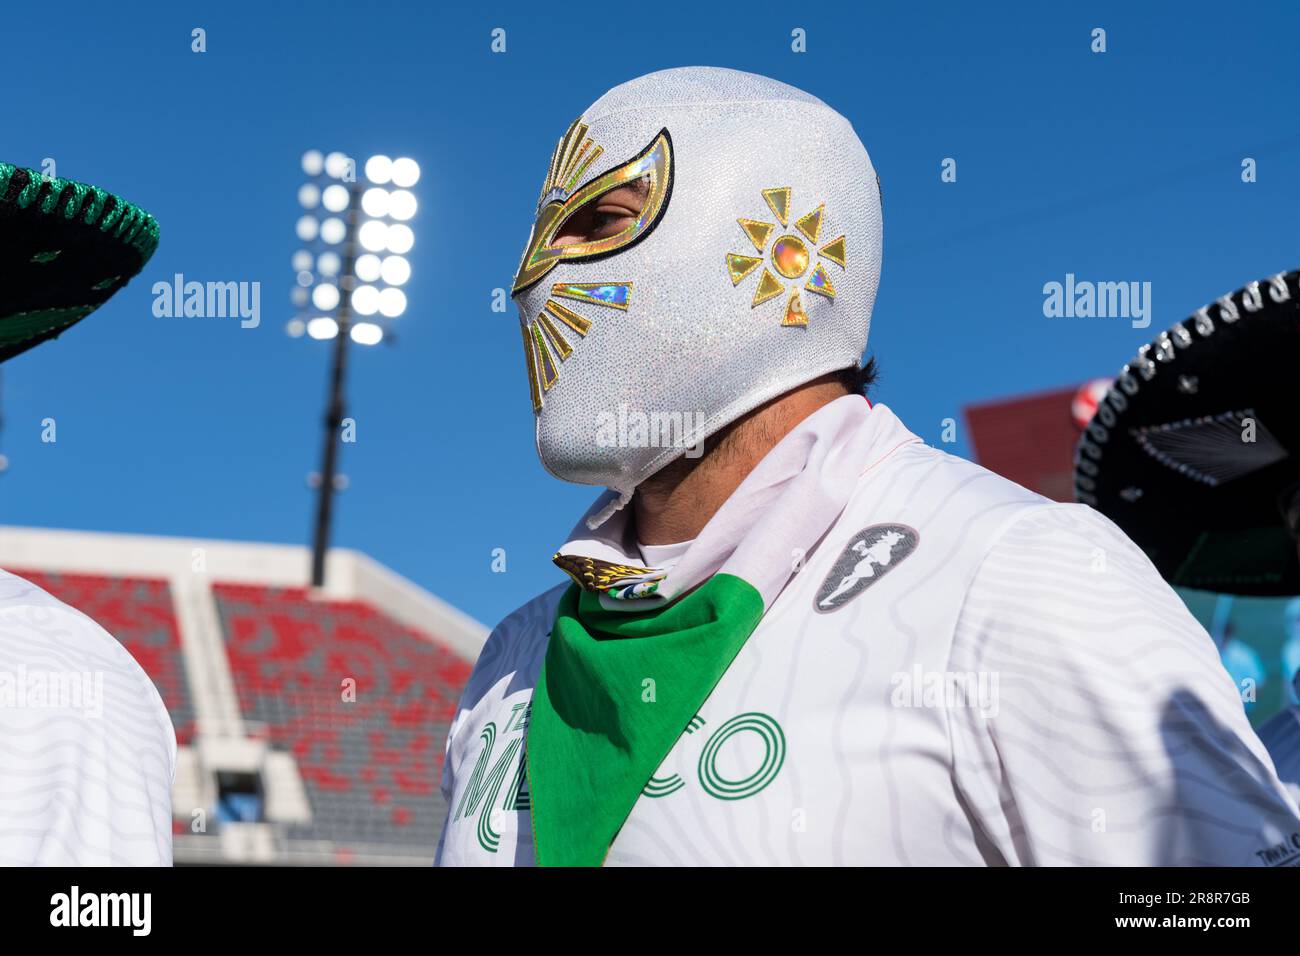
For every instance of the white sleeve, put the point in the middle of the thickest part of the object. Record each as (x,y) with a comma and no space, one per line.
(447,785)
(509,662)
(87,750)
(1117,737)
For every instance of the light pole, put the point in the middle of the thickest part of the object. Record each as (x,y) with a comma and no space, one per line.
(368,223)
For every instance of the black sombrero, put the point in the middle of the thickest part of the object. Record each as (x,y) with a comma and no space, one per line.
(1198,436)
(65,248)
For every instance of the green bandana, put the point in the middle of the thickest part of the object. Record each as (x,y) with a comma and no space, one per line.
(615,692)
(619,687)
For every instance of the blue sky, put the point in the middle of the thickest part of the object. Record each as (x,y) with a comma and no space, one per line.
(1117,166)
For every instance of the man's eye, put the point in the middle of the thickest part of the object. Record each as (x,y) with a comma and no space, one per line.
(608,222)
(591,224)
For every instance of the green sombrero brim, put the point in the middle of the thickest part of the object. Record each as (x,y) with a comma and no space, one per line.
(65,249)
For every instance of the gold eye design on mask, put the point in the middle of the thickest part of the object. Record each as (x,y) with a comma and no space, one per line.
(789,257)
(545,344)
(573,156)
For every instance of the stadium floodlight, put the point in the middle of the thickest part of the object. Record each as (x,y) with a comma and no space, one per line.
(356,237)
(329,264)
(334,197)
(368,267)
(392,302)
(395,270)
(401,204)
(325,297)
(399,238)
(313,162)
(322,327)
(365,300)
(379,169)
(333,230)
(406,173)
(337,165)
(367,333)
(374,202)
(374,235)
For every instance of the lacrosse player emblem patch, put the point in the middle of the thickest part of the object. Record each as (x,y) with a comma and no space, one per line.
(870,554)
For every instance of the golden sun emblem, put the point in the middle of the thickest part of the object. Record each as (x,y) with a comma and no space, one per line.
(790,257)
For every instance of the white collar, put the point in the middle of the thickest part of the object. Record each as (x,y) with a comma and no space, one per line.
(778,512)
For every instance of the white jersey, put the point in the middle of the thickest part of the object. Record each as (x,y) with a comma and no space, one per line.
(962,673)
(87,750)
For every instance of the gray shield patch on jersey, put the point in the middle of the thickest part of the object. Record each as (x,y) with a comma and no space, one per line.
(870,554)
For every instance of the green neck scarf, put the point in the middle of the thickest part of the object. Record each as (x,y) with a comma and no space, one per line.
(615,692)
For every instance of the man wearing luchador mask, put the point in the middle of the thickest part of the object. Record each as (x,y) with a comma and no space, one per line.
(794,633)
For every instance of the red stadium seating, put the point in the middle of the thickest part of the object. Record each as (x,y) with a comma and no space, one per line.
(139,613)
(370,761)
(370,765)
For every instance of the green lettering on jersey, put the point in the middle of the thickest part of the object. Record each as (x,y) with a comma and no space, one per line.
(484,785)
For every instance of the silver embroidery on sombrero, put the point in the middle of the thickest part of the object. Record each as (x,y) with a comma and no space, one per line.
(1154,356)
(1210,449)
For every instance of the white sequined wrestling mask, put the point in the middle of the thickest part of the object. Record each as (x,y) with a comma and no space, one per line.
(751,268)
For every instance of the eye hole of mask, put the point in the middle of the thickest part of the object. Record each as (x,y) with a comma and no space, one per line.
(606,216)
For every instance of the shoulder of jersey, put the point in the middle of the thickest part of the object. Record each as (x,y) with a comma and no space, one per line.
(33,620)
(945,475)
(36,617)
(519,638)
